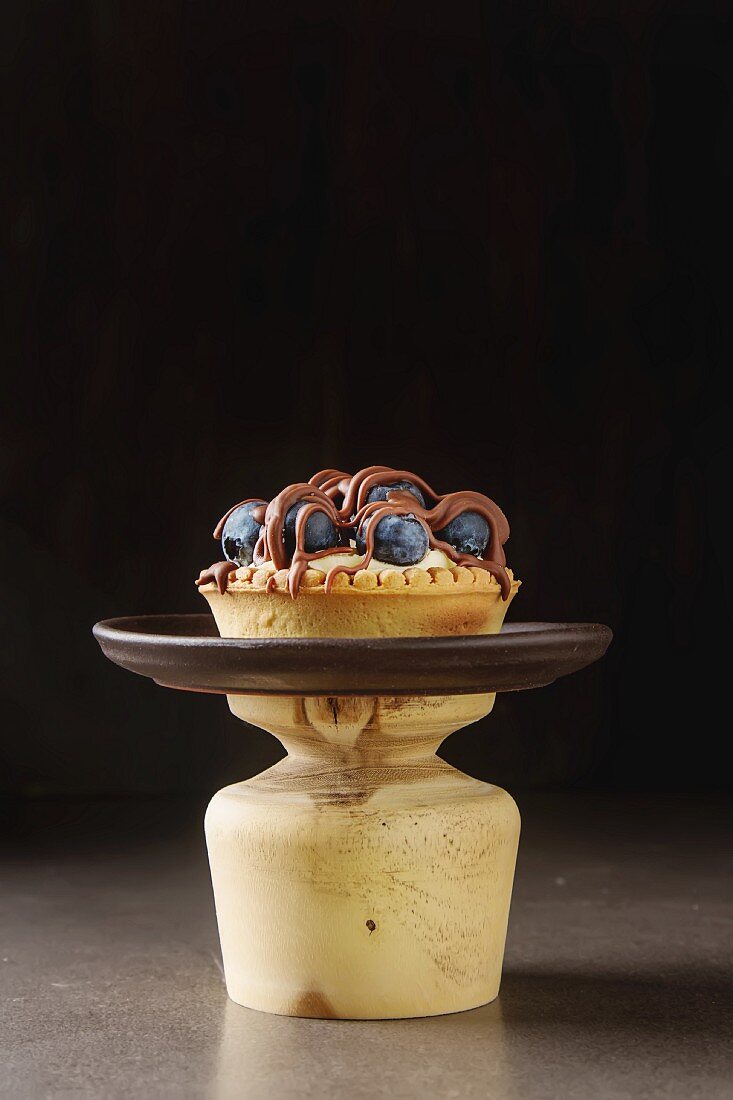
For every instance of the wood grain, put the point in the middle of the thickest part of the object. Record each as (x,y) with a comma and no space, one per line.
(362,876)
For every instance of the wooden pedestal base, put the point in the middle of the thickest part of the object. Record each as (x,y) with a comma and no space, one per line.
(361,876)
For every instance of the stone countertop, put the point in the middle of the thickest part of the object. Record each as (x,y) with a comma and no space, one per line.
(615,980)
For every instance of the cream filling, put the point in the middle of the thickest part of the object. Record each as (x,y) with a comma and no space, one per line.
(434,559)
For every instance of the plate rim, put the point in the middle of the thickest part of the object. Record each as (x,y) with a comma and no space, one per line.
(119,639)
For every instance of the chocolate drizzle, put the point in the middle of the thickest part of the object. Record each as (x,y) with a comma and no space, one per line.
(218,573)
(271,543)
(320,493)
(331,482)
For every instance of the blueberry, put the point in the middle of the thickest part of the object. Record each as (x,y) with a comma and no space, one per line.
(398,540)
(241,532)
(320,531)
(468,533)
(379,492)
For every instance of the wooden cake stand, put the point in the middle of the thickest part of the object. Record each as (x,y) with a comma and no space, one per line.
(361,877)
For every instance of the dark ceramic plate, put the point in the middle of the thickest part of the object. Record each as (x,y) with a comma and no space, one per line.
(185,651)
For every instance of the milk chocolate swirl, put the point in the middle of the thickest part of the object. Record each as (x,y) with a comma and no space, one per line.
(355,513)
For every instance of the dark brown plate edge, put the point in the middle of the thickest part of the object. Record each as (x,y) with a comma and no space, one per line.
(114,633)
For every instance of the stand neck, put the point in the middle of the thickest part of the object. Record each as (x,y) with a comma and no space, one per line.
(345,748)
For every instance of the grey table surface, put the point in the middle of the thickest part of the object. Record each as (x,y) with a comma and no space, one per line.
(616,979)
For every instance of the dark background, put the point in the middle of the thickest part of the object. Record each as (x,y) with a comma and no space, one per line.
(489,243)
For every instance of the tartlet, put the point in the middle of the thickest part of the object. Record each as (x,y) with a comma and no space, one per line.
(281,591)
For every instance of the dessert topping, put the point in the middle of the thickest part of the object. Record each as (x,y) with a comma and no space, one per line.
(391,515)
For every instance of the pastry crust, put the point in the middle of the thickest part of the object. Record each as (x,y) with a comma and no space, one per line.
(416,602)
